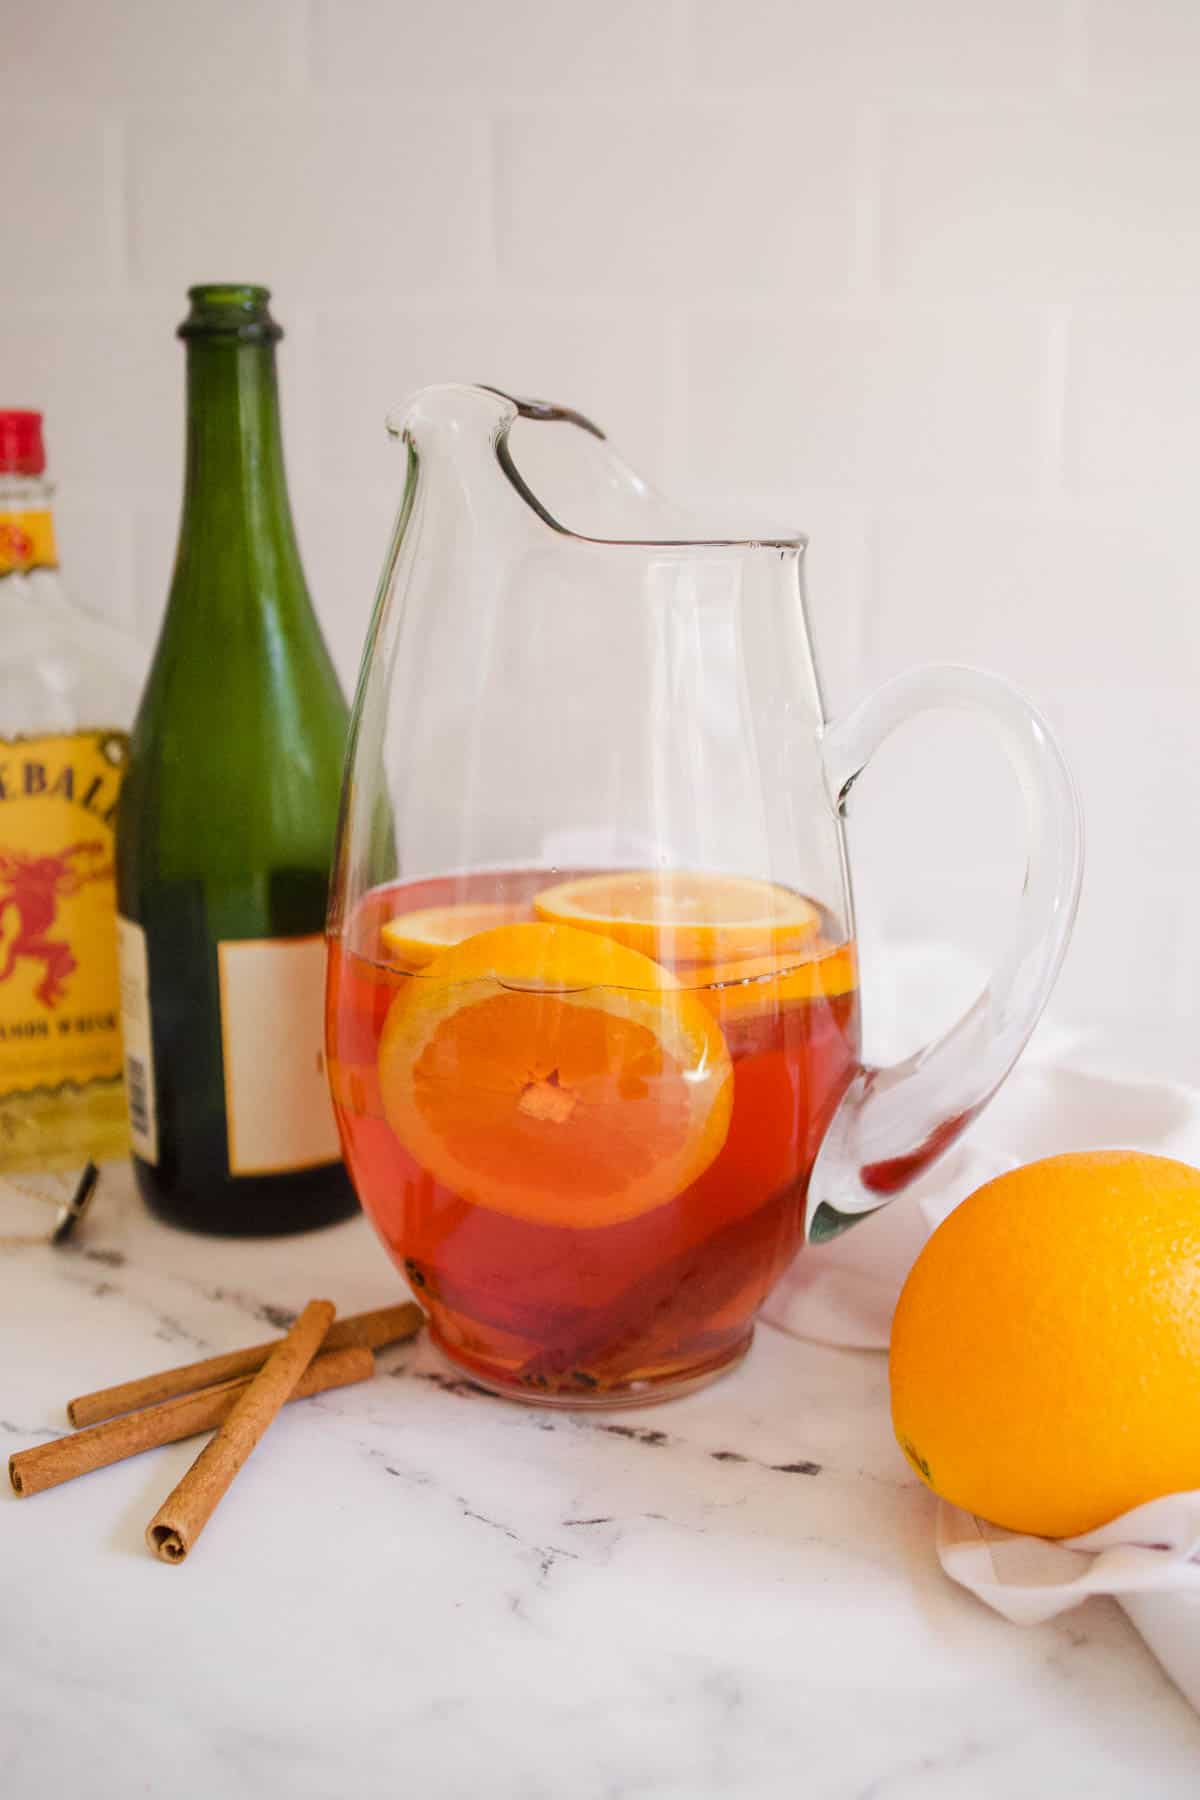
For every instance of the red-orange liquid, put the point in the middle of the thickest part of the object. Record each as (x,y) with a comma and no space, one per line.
(613,1311)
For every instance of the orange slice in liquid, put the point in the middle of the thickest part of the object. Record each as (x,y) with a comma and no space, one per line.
(737,990)
(555,1075)
(412,940)
(683,916)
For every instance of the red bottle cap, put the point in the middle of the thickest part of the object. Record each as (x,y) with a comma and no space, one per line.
(21,449)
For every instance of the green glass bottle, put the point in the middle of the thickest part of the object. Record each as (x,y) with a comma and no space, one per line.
(226,824)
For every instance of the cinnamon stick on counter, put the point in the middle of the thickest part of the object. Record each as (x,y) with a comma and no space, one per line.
(187,1509)
(46,1465)
(371,1330)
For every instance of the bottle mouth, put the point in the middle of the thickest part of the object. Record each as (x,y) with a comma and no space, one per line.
(230,312)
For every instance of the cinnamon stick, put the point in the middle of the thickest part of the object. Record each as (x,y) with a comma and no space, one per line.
(371,1330)
(187,1509)
(46,1465)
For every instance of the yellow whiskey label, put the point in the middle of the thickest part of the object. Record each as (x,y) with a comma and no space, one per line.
(59,985)
(27,541)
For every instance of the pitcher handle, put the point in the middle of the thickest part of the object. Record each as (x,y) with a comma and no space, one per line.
(894,1122)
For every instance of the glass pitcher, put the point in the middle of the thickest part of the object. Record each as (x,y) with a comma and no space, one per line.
(593,1017)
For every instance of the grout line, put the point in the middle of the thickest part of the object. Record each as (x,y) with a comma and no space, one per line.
(148,607)
(105,591)
(300,386)
(1052,462)
(676,473)
(679,76)
(863,575)
(125,606)
(118,211)
(487,152)
(870,603)
(299,39)
(866,265)
(1075,72)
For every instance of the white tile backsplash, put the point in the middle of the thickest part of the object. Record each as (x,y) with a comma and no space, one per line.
(880,48)
(322,197)
(1132,431)
(1099,595)
(1072,201)
(106,374)
(679,198)
(523,47)
(606,361)
(57,162)
(894,401)
(1149,45)
(922,280)
(143,49)
(95,537)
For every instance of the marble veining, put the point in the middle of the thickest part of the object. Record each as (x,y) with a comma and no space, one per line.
(414,1586)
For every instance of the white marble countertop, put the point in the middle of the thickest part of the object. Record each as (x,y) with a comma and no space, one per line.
(414,1588)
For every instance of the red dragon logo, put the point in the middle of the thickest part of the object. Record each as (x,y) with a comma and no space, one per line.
(16,546)
(30,890)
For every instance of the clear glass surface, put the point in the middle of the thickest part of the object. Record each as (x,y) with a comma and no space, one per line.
(593,1007)
(61,667)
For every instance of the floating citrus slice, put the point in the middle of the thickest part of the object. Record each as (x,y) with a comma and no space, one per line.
(555,1075)
(682,916)
(735,990)
(413,939)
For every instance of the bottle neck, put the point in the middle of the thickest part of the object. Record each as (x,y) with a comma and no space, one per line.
(235,480)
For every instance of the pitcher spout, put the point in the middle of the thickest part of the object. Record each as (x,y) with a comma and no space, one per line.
(455,411)
(492,449)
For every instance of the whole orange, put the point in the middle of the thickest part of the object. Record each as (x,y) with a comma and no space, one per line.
(1045,1358)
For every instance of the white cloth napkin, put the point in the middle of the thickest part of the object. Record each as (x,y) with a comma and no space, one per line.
(1065,1094)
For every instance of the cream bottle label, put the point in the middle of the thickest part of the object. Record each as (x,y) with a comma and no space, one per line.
(278,1113)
